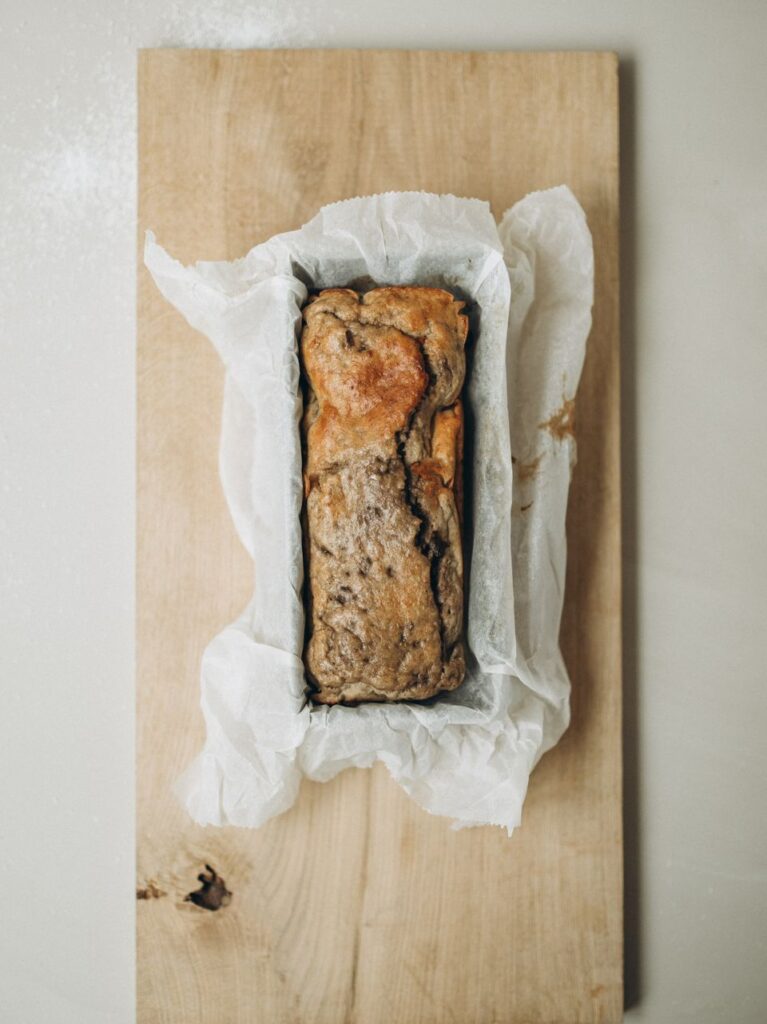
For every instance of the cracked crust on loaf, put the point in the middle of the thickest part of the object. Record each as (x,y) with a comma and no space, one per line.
(383,437)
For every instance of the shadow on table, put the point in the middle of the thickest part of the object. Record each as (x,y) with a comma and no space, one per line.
(630,496)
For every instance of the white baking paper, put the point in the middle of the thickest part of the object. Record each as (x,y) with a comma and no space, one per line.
(468,754)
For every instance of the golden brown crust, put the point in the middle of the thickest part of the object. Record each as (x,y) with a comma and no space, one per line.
(383,446)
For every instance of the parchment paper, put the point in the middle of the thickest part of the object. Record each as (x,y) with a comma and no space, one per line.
(468,755)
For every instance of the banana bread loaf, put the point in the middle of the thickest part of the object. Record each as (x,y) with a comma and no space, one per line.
(383,437)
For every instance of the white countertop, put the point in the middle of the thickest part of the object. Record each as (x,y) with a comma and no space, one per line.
(694,214)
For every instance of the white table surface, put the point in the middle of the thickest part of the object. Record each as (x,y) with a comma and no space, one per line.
(695,376)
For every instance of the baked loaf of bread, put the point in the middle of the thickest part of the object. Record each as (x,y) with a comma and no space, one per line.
(383,439)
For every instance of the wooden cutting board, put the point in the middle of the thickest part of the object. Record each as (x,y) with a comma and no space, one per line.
(356,906)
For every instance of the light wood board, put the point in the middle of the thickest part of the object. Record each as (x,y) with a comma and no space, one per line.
(356,906)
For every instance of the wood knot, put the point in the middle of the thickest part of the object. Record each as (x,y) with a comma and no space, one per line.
(212,894)
(151,891)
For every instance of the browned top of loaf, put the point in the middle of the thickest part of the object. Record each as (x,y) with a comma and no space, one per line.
(383,440)
(364,358)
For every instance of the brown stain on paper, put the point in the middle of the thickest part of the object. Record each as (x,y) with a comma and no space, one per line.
(527,470)
(562,423)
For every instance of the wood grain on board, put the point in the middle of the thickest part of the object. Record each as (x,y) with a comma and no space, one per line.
(357,906)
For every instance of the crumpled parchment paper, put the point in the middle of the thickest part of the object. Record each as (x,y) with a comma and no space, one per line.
(468,754)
